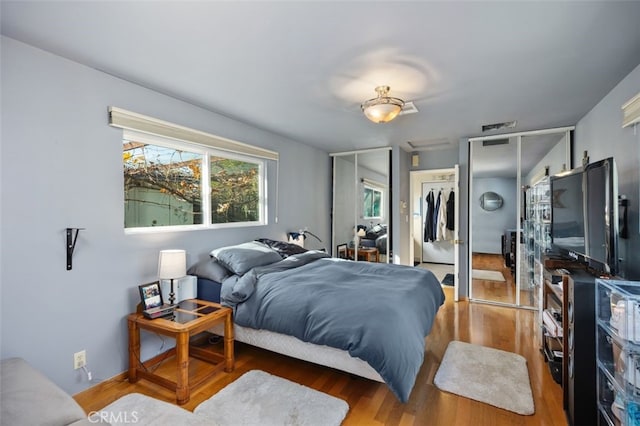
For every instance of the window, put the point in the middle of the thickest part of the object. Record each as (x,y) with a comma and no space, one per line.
(372,207)
(169,183)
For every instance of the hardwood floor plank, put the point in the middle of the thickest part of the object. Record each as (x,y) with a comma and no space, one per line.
(372,403)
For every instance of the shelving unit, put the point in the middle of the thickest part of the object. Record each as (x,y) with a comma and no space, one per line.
(553,307)
(537,238)
(569,305)
(618,352)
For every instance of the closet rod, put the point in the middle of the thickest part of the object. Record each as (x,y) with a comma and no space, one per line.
(437,181)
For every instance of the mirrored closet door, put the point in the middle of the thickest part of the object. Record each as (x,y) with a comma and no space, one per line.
(509,215)
(361,205)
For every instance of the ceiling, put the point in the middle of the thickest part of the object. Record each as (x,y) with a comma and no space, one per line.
(301,69)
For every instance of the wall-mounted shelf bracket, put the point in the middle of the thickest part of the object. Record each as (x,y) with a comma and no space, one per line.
(71,244)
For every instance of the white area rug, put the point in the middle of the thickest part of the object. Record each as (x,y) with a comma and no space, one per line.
(481,274)
(259,398)
(142,410)
(256,398)
(492,376)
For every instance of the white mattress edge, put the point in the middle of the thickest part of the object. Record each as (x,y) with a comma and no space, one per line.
(296,348)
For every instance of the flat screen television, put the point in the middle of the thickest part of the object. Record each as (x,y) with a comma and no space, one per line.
(584,216)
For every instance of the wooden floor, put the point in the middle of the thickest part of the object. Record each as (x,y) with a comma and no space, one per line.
(498,291)
(372,403)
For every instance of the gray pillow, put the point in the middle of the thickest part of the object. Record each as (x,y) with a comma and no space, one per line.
(243,257)
(209,269)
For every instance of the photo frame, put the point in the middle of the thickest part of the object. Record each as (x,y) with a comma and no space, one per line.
(342,252)
(151,295)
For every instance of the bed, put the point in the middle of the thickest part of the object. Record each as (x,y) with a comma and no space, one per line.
(342,314)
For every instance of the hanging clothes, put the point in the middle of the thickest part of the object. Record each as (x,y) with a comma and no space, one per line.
(436,211)
(428,218)
(451,211)
(442,234)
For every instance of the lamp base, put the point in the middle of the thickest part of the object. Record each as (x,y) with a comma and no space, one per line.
(172,295)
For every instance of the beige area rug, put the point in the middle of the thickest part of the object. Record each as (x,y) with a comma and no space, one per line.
(492,376)
(482,274)
(259,398)
(256,398)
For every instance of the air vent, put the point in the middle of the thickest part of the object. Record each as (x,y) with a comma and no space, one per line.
(499,126)
(408,108)
(492,142)
(429,144)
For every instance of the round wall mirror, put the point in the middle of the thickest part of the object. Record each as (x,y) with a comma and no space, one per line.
(490,201)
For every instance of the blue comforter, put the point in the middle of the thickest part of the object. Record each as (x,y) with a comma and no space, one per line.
(380,313)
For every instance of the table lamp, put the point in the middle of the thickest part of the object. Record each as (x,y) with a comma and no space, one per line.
(359,234)
(172,264)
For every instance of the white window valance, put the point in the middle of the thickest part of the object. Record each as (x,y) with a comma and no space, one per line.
(124,119)
(373,183)
(631,111)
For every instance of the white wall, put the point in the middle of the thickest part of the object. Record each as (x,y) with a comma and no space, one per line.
(62,167)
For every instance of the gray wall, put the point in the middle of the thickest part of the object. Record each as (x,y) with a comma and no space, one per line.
(62,167)
(489,226)
(554,159)
(600,133)
(436,159)
(401,234)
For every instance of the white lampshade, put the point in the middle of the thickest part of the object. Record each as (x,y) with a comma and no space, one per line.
(383,108)
(172,264)
(382,113)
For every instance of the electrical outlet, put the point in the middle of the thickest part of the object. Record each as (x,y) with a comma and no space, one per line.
(79,359)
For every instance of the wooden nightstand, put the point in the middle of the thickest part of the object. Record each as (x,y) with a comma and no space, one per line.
(192,317)
(370,254)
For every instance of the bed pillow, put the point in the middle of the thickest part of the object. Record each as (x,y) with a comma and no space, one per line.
(243,257)
(283,248)
(210,269)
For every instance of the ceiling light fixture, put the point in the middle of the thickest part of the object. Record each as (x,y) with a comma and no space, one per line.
(383,108)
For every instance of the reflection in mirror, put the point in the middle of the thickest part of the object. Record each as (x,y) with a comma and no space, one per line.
(361,205)
(494,228)
(490,201)
(373,214)
(507,242)
(344,207)
(542,155)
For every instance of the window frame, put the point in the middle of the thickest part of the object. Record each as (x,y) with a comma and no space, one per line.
(206,151)
(376,188)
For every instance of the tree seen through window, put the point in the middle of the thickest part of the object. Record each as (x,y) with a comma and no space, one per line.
(163,186)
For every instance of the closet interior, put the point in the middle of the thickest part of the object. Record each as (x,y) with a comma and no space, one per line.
(434,222)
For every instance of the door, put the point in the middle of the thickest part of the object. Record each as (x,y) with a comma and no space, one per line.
(361,204)
(493,215)
(438,254)
(344,208)
(456,235)
(502,169)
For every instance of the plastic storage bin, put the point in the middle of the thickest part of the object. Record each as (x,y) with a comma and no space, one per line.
(618,352)
(621,359)
(618,305)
